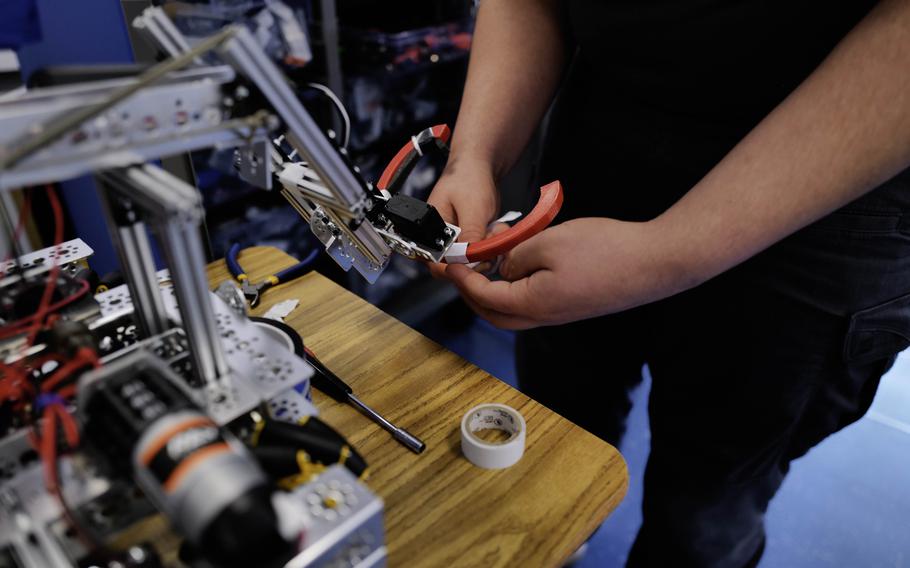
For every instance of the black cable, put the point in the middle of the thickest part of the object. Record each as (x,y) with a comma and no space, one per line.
(292,334)
(339,108)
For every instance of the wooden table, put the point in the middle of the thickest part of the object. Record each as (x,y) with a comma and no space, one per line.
(441,510)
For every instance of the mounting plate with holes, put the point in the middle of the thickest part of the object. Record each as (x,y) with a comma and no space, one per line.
(261,365)
(39,262)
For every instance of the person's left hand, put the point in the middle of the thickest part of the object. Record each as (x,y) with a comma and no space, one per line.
(576,270)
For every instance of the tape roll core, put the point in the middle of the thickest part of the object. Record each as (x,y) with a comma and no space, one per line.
(493,455)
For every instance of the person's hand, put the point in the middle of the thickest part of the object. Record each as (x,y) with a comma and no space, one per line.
(466,196)
(572,271)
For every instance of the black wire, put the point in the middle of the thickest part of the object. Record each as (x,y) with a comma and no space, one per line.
(339,109)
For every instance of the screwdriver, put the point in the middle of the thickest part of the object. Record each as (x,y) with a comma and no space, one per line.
(329,383)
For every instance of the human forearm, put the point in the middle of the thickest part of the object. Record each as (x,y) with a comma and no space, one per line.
(844,131)
(517,59)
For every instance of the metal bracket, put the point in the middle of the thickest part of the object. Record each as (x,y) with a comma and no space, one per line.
(40,261)
(256,163)
(174,209)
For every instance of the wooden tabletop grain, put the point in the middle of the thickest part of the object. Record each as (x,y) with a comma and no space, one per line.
(440,510)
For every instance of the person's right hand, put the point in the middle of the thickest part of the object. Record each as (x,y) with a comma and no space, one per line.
(466,196)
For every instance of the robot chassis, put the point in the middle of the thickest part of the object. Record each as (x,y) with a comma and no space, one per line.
(186,374)
(179,349)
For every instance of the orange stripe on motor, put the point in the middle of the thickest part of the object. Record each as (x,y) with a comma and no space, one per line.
(192,461)
(162,439)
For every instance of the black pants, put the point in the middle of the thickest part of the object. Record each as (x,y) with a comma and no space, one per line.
(750,371)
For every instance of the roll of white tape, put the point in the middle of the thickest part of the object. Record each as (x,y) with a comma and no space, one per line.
(493,455)
(276,333)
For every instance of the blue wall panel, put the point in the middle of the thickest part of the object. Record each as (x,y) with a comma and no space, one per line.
(81,32)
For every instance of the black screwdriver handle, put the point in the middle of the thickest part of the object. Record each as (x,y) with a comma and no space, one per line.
(327,381)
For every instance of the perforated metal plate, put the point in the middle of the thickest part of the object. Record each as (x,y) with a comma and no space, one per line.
(291,406)
(40,261)
(262,367)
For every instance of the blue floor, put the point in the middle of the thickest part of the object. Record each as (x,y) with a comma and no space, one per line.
(846,504)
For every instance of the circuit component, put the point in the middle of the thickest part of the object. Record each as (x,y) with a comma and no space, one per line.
(211,489)
(416,220)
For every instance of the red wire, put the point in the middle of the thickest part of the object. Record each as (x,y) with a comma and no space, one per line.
(70,429)
(51,284)
(24,323)
(14,379)
(56,413)
(14,382)
(84,356)
(15,385)
(68,391)
(49,448)
(20,225)
(53,413)
(36,320)
(16,391)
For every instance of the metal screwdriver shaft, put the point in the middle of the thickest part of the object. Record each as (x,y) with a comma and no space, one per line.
(329,383)
(410,441)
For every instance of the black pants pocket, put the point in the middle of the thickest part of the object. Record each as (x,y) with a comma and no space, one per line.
(873,339)
(879,332)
